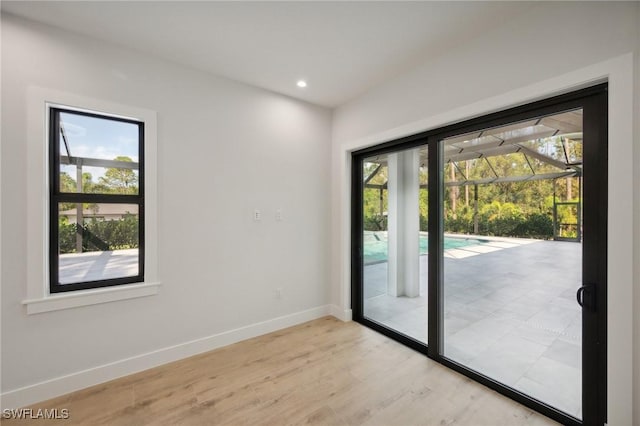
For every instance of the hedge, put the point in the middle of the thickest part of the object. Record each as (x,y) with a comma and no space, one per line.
(533,225)
(100,235)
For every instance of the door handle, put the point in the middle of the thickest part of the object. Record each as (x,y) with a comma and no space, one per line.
(586,296)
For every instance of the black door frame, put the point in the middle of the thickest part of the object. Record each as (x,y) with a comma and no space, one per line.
(593,102)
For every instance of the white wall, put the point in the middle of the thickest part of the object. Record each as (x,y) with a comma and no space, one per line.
(549,40)
(224,149)
(0,219)
(516,63)
(636,221)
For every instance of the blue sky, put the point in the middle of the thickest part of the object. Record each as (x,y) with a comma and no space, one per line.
(91,137)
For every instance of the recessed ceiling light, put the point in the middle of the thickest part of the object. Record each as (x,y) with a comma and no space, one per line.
(301,83)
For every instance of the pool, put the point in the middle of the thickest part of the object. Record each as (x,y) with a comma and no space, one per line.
(375,245)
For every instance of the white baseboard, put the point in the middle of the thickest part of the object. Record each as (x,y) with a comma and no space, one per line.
(62,385)
(341,314)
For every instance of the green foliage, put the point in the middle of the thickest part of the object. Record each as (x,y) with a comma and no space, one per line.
(521,218)
(67,184)
(116,234)
(114,181)
(66,235)
(462,224)
(375,223)
(423,206)
(100,234)
(506,220)
(536,225)
(424,223)
(121,181)
(522,208)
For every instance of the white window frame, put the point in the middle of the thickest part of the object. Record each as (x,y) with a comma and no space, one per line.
(38,298)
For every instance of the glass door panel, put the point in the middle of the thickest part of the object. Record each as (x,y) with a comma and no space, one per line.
(509,282)
(394,252)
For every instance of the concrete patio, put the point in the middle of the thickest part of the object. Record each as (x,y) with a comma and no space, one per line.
(509,313)
(98,265)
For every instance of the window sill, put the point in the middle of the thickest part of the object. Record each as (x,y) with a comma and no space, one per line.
(90,297)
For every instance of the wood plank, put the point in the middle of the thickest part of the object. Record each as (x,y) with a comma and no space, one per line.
(324,372)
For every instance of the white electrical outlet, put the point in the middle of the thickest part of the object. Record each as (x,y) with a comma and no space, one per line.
(279,215)
(257,215)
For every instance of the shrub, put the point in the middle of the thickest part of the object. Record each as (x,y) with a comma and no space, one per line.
(503,220)
(495,219)
(461,224)
(375,223)
(67,236)
(536,225)
(100,235)
(424,223)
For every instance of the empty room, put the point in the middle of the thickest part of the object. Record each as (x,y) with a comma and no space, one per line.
(320,212)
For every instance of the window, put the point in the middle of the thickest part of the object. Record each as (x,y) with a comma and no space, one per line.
(96,200)
(46,107)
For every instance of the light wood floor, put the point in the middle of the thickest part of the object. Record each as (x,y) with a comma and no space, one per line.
(323,372)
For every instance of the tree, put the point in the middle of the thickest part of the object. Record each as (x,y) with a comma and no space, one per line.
(121,181)
(67,185)
(91,187)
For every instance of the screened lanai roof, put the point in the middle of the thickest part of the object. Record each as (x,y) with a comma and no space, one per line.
(542,148)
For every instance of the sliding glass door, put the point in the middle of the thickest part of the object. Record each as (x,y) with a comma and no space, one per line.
(510,310)
(483,245)
(394,241)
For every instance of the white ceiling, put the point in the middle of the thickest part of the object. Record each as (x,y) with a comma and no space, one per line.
(341,48)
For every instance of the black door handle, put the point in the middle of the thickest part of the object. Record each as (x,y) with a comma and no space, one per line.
(586,296)
(579,295)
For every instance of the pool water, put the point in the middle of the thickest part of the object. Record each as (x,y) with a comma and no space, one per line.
(375,245)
